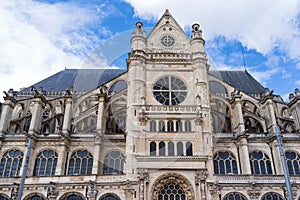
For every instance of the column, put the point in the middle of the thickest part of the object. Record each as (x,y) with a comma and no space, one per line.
(244,155)
(276,157)
(67,116)
(239,119)
(62,158)
(7,109)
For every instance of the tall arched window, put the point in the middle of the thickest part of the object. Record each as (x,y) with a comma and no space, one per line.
(234,196)
(35,197)
(260,163)
(11,162)
(152,125)
(152,148)
(170,126)
(171,149)
(293,162)
(81,163)
(187,125)
(45,163)
(73,196)
(189,149)
(179,149)
(178,126)
(161,126)
(114,163)
(225,163)
(162,149)
(272,196)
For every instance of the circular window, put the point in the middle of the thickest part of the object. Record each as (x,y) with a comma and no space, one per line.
(170,91)
(167,40)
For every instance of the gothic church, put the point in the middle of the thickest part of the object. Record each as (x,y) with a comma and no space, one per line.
(166,128)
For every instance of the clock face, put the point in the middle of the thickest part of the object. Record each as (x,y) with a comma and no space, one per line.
(167,40)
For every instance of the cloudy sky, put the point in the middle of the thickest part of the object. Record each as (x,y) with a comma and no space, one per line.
(42,37)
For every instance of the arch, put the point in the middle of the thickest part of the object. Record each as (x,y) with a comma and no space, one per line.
(170,126)
(179,149)
(171,149)
(11,162)
(225,163)
(35,196)
(187,126)
(152,148)
(218,89)
(80,163)
(293,162)
(152,125)
(234,196)
(252,125)
(118,86)
(179,126)
(110,196)
(189,149)
(45,163)
(176,183)
(272,196)
(72,196)
(260,163)
(221,115)
(3,197)
(114,163)
(161,148)
(120,122)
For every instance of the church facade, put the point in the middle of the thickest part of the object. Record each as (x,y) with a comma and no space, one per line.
(166,128)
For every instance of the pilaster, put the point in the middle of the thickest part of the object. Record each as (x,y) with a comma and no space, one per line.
(7,109)
(244,155)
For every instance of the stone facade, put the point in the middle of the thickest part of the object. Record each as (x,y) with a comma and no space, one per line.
(167,128)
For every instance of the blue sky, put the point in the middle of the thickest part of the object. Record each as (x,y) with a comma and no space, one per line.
(39,38)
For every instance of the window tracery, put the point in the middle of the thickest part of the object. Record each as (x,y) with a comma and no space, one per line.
(293,162)
(114,163)
(225,163)
(234,196)
(11,162)
(73,196)
(35,197)
(272,196)
(45,163)
(260,163)
(81,163)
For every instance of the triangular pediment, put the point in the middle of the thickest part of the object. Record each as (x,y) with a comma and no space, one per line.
(167,35)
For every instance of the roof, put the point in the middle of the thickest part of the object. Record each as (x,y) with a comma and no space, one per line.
(81,80)
(241,80)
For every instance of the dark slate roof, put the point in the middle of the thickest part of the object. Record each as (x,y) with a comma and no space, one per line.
(81,80)
(241,80)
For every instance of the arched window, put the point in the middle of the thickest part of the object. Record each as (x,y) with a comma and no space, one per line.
(114,163)
(109,197)
(3,197)
(35,197)
(272,196)
(179,149)
(189,149)
(81,163)
(152,125)
(225,163)
(170,126)
(11,162)
(171,149)
(162,149)
(161,126)
(187,125)
(234,196)
(260,163)
(120,120)
(73,196)
(152,148)
(178,126)
(293,162)
(171,191)
(45,163)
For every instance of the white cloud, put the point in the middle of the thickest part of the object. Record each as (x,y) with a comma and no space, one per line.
(38,39)
(259,25)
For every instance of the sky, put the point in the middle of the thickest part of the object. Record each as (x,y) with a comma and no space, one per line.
(41,37)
